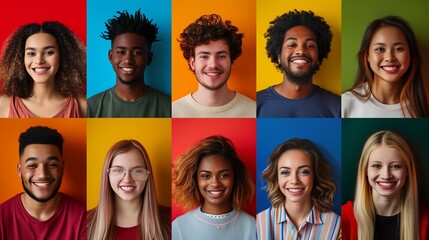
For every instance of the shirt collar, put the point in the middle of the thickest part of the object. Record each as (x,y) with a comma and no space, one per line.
(314,217)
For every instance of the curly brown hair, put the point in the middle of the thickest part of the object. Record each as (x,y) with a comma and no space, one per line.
(71,75)
(323,190)
(185,184)
(210,28)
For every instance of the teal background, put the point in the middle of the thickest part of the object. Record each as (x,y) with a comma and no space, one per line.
(356,131)
(356,16)
(100,74)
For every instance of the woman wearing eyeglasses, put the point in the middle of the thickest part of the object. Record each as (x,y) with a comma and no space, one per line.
(127,207)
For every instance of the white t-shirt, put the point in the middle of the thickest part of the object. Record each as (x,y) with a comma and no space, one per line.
(354,107)
(239,107)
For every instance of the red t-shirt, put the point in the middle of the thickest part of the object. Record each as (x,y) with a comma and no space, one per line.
(349,223)
(68,222)
(126,233)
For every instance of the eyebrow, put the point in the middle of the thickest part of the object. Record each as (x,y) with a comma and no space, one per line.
(294,38)
(206,52)
(50,158)
(396,43)
(135,47)
(304,166)
(207,171)
(44,48)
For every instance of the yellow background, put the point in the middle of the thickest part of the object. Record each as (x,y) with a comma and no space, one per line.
(329,75)
(242,14)
(153,134)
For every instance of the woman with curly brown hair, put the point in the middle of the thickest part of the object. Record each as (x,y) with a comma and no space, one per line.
(212,182)
(301,190)
(43,71)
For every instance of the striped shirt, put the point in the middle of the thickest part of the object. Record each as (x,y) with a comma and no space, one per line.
(274,224)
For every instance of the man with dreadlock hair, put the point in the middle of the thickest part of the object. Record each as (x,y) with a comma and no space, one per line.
(297,43)
(132,37)
(210,47)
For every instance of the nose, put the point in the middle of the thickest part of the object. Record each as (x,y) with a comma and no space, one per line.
(301,49)
(386,173)
(294,177)
(389,56)
(40,59)
(128,57)
(127,176)
(215,180)
(41,171)
(212,61)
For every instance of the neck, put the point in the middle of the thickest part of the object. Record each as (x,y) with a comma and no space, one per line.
(298,212)
(130,92)
(44,91)
(41,211)
(213,98)
(386,92)
(127,212)
(292,90)
(386,206)
(211,209)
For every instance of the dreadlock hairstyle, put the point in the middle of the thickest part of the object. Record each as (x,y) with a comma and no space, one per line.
(127,23)
(279,26)
(210,28)
(71,75)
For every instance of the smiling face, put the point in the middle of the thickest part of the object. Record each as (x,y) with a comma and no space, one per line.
(215,182)
(42,57)
(389,54)
(299,56)
(295,176)
(127,187)
(212,64)
(129,56)
(41,169)
(386,172)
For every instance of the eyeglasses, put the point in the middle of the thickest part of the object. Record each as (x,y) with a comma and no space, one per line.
(136,173)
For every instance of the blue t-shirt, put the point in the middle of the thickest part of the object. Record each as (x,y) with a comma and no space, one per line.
(320,103)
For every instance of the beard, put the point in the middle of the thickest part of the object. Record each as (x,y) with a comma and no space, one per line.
(216,87)
(53,194)
(301,78)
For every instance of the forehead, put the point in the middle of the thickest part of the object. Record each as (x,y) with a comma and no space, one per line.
(130,40)
(40,152)
(213,47)
(131,158)
(300,32)
(384,153)
(214,163)
(388,34)
(294,158)
(40,40)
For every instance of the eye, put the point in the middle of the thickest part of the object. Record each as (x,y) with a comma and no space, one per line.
(224,175)
(137,52)
(31,166)
(205,176)
(117,170)
(120,52)
(379,49)
(304,172)
(311,46)
(376,166)
(399,49)
(291,45)
(205,57)
(31,54)
(50,53)
(284,172)
(396,166)
(53,165)
(222,56)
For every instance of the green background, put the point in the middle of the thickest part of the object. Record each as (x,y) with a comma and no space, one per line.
(356,16)
(356,131)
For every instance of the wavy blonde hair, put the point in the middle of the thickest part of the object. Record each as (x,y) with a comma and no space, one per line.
(101,220)
(185,184)
(363,205)
(322,194)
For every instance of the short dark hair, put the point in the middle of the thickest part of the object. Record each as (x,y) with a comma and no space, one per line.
(128,23)
(210,28)
(278,27)
(40,135)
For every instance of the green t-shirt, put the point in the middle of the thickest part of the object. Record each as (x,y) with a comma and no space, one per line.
(107,104)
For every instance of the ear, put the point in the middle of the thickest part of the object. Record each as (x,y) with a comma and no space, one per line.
(278,59)
(18,168)
(191,63)
(149,58)
(109,55)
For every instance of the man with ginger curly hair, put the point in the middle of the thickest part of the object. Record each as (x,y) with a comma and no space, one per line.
(132,37)
(211,46)
(297,43)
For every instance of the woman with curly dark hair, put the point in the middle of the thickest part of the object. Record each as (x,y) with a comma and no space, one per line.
(301,190)
(43,71)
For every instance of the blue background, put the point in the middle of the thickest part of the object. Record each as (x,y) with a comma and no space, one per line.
(325,133)
(100,72)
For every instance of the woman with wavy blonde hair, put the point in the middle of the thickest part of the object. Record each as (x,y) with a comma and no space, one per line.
(127,207)
(386,197)
(301,191)
(212,184)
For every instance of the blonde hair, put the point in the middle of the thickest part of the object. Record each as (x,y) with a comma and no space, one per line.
(322,194)
(185,186)
(364,209)
(101,220)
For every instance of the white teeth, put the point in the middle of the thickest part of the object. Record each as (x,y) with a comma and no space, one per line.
(215,192)
(213,74)
(385,184)
(389,68)
(40,70)
(127,69)
(126,188)
(299,61)
(41,184)
(295,190)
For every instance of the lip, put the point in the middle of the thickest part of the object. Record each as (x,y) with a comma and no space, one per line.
(127,70)
(40,70)
(215,193)
(386,185)
(295,191)
(391,69)
(127,188)
(41,184)
(299,60)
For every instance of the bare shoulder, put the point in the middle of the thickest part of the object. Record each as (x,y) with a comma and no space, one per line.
(81,101)
(4,106)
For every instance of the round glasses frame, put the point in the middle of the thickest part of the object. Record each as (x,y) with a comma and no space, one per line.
(136,173)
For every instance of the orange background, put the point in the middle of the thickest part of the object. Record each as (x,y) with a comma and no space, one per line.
(242,133)
(74,155)
(243,73)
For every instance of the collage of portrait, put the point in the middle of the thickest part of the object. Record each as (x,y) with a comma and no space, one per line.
(216,119)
